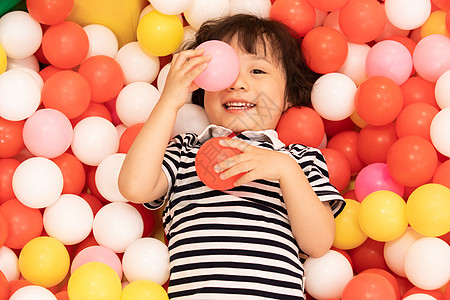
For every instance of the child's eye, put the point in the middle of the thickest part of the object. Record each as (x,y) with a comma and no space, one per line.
(257,71)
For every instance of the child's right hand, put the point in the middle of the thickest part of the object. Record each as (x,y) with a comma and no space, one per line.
(184,68)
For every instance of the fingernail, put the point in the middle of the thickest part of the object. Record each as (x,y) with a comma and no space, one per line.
(217,168)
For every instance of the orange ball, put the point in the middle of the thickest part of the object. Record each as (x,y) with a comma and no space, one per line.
(128,137)
(49,12)
(298,15)
(442,174)
(338,168)
(73,173)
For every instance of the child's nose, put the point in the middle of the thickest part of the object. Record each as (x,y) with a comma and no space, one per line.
(239,84)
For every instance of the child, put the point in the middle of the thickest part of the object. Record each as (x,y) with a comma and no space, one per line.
(246,242)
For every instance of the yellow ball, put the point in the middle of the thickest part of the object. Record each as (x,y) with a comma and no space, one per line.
(435,24)
(428,209)
(44,261)
(159,34)
(144,290)
(94,281)
(3,60)
(348,233)
(383,216)
(358,120)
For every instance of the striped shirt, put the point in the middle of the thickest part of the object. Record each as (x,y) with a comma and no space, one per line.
(234,244)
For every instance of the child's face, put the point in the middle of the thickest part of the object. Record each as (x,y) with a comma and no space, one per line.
(255,100)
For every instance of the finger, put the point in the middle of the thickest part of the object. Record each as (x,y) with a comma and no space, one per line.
(246,178)
(230,162)
(235,143)
(241,168)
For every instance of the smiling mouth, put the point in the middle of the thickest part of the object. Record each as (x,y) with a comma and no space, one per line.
(238,105)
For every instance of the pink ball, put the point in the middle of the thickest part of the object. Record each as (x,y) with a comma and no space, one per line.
(375,177)
(390,59)
(98,254)
(430,56)
(47,133)
(223,69)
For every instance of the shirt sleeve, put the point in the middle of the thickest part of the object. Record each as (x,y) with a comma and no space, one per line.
(170,164)
(313,164)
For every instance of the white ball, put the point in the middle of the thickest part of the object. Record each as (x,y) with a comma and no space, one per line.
(34,292)
(162,77)
(260,8)
(136,64)
(117,225)
(327,275)
(69,219)
(37,182)
(9,263)
(107,176)
(427,263)
(202,10)
(439,129)
(407,14)
(20,34)
(94,138)
(190,118)
(394,251)
(146,259)
(29,62)
(33,73)
(20,95)
(419,296)
(136,101)
(333,95)
(102,41)
(145,11)
(172,7)
(442,90)
(320,17)
(355,63)
(188,37)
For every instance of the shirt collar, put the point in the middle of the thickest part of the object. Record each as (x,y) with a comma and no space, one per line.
(268,135)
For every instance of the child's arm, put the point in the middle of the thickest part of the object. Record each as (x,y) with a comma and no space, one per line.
(312,221)
(141,178)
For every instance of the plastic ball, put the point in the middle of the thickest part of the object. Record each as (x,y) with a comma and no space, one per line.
(170,8)
(24,223)
(73,172)
(407,14)
(223,68)
(49,12)
(95,109)
(44,261)
(3,60)
(419,296)
(190,118)
(37,182)
(332,96)
(383,216)
(128,136)
(427,263)
(300,126)
(327,275)
(442,174)
(136,64)
(9,264)
(362,21)
(374,142)
(146,258)
(346,142)
(34,292)
(4,232)
(354,65)
(348,232)
(136,101)
(69,219)
(260,8)
(390,59)
(325,49)
(65,45)
(435,24)
(208,156)
(442,90)
(102,41)
(298,15)
(416,89)
(415,119)
(20,34)
(94,281)
(430,57)
(20,95)
(378,100)
(4,286)
(328,5)
(11,138)
(94,138)
(375,177)
(428,209)
(117,225)
(412,161)
(369,285)
(339,171)
(200,11)
(439,126)
(107,177)
(99,254)
(159,34)
(144,290)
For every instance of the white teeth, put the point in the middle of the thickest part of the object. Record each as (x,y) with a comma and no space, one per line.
(238,105)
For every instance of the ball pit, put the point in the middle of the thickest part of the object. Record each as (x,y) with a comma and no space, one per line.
(380,111)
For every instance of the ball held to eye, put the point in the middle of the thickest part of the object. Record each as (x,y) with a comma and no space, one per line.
(208,156)
(223,68)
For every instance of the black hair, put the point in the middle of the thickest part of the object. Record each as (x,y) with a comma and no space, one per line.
(252,33)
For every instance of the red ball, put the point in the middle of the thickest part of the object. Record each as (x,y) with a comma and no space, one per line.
(49,12)
(48,72)
(93,202)
(346,142)
(11,137)
(368,255)
(327,5)
(442,174)
(73,172)
(374,142)
(437,294)
(390,277)
(7,168)
(4,232)
(128,137)
(298,15)
(325,49)
(301,125)
(415,119)
(416,89)
(94,109)
(338,168)
(208,156)
(4,286)
(333,127)
(369,286)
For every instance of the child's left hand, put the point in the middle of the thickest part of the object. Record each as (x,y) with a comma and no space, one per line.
(255,162)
